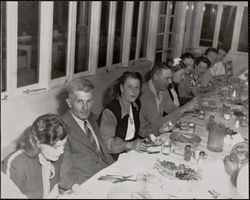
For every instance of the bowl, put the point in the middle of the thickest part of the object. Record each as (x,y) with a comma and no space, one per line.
(180,140)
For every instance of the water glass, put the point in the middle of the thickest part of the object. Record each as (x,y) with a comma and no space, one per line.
(166,148)
(191,127)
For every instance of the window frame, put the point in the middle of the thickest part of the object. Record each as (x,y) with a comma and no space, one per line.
(237,26)
(45,34)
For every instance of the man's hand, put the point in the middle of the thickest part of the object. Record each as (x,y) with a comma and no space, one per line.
(191,105)
(138,145)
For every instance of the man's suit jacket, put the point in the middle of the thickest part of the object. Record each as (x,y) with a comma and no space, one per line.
(150,118)
(80,159)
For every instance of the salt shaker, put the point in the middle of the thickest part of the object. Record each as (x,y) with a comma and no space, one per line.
(237,122)
(187,153)
(200,162)
(201,115)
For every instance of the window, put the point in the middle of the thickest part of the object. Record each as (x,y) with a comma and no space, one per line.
(103,34)
(3,47)
(49,43)
(208,24)
(144,34)
(118,33)
(243,39)
(59,38)
(28,43)
(227,26)
(134,31)
(82,37)
(222,23)
(166,31)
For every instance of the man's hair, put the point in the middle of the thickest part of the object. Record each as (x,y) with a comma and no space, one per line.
(202,59)
(223,48)
(187,55)
(157,67)
(79,84)
(210,49)
(46,129)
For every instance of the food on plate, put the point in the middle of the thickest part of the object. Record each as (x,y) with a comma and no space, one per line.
(180,139)
(152,140)
(171,170)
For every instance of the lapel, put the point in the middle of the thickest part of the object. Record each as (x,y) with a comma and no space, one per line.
(96,130)
(76,130)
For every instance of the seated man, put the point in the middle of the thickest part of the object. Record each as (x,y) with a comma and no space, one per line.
(85,151)
(157,106)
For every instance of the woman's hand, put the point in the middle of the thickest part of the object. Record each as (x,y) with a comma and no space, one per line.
(138,145)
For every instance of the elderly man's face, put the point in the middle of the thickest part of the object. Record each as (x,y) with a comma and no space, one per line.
(81,103)
(162,79)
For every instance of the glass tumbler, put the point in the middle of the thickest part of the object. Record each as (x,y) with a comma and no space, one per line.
(166,148)
(191,127)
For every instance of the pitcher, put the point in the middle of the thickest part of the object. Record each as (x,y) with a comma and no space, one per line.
(216,136)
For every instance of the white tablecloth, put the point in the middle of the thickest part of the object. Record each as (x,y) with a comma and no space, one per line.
(214,176)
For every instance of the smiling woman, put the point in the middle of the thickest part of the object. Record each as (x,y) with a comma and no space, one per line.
(30,167)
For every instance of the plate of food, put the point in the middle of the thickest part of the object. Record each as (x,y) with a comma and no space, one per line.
(173,171)
(182,138)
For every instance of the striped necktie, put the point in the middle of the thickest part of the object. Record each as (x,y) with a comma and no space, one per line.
(90,135)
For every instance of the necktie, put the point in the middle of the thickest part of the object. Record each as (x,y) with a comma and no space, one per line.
(90,135)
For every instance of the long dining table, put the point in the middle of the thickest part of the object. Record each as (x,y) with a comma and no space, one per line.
(214,182)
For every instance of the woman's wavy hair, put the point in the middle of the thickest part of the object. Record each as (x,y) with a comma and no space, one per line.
(46,129)
(121,80)
(176,66)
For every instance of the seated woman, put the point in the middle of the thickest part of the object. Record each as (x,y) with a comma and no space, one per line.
(35,166)
(119,121)
(176,89)
(203,81)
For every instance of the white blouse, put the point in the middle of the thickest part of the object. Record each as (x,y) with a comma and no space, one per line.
(131,125)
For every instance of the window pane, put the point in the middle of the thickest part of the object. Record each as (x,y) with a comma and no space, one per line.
(208,24)
(170,41)
(60,35)
(171,24)
(134,31)
(144,35)
(163,7)
(169,54)
(118,33)
(103,34)
(158,56)
(227,26)
(243,39)
(28,43)
(82,37)
(159,42)
(172,7)
(3,47)
(161,26)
